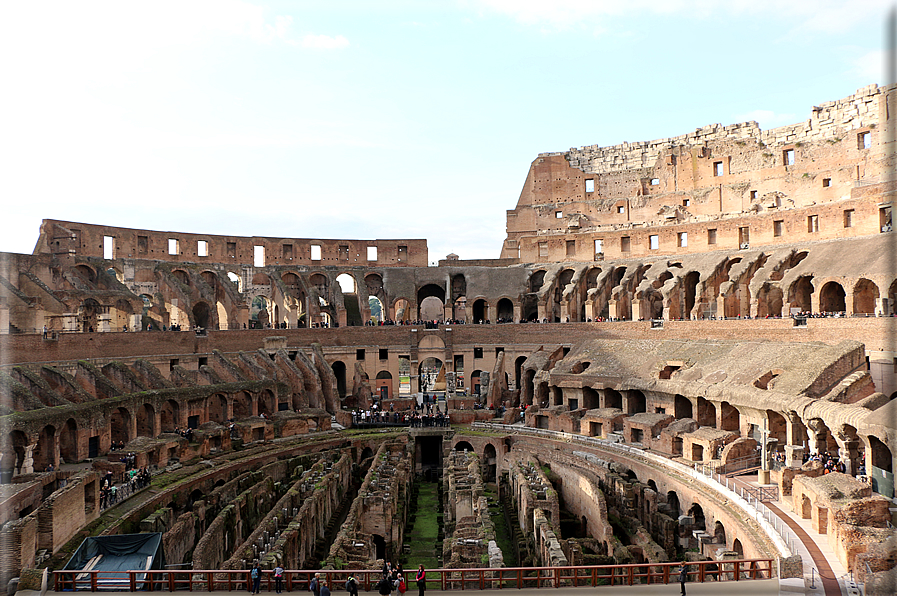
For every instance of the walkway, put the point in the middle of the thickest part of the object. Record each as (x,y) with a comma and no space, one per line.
(756,587)
(830,575)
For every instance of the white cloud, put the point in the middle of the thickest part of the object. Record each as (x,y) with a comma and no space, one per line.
(324,42)
(870,66)
(767,118)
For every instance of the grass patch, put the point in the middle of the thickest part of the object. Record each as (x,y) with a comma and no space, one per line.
(421,538)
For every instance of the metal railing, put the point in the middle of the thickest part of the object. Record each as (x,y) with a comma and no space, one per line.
(444,579)
(760,512)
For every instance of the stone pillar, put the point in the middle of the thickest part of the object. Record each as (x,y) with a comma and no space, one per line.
(817,432)
(881,307)
(4,320)
(612,306)
(69,322)
(794,456)
(848,301)
(720,306)
(135,322)
(641,310)
(104,323)
(293,316)
(590,314)
(847,451)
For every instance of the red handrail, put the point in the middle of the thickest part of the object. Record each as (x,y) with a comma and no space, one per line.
(449,579)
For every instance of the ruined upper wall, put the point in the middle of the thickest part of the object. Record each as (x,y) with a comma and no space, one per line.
(66,237)
(583,203)
(827,121)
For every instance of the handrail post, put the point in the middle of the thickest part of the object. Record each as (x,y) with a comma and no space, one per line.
(93,581)
(132,580)
(210,580)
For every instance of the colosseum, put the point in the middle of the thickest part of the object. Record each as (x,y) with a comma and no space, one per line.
(684,351)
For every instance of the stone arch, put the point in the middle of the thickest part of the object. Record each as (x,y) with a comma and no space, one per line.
(87,272)
(770,301)
(401,309)
(592,277)
(673,504)
(636,403)
(68,441)
(431,374)
(832,298)
(706,413)
(590,399)
(682,407)
(202,315)
(730,417)
(182,276)
(504,311)
(261,279)
(339,370)
(170,416)
(480,311)
(865,295)
(738,548)
(266,403)
(613,399)
(719,532)
(696,512)
(44,453)
(120,425)
(88,314)
(365,454)
(243,405)
(880,455)
(690,292)
(217,408)
(16,442)
(463,446)
(146,421)
(800,292)
(490,462)
(518,371)
(432,309)
(536,279)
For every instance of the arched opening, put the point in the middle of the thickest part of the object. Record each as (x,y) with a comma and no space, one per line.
(120,425)
(170,416)
(44,453)
(613,399)
(236,280)
(480,311)
(266,404)
(463,446)
(431,374)
(738,548)
(146,421)
(697,513)
(242,405)
(339,370)
(637,402)
(384,385)
(518,367)
(730,419)
(350,299)
(402,311)
(182,276)
(681,407)
(865,294)
(530,308)
(475,382)
(673,504)
(366,453)
(769,301)
(376,308)
(880,454)
(690,285)
(88,315)
(892,298)
(592,278)
(87,273)
(706,413)
(431,299)
(201,315)
(504,311)
(652,485)
(590,399)
(831,298)
(536,280)
(258,313)
(218,408)
(778,430)
(719,533)
(489,459)
(68,441)
(801,291)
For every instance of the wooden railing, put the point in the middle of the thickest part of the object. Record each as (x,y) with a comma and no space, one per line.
(443,579)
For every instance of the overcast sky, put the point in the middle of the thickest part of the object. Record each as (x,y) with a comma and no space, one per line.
(386,119)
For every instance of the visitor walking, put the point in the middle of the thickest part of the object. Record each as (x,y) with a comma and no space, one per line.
(683,576)
(325,590)
(384,586)
(421,580)
(278,579)
(315,585)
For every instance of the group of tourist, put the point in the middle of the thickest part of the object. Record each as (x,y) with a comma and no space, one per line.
(130,461)
(187,433)
(116,445)
(832,464)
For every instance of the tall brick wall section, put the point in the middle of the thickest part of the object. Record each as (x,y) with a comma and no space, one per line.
(61,515)
(875,332)
(18,543)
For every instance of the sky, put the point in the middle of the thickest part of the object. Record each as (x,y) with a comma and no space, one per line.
(386,119)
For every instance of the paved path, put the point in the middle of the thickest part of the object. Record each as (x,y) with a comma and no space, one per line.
(756,587)
(819,558)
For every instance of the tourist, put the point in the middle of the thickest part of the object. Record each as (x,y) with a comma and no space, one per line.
(278,578)
(683,576)
(352,586)
(315,585)
(256,575)
(384,586)
(325,590)
(421,580)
